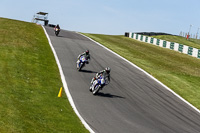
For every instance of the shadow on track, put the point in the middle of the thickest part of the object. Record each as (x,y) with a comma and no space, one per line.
(108,95)
(87,71)
(60,36)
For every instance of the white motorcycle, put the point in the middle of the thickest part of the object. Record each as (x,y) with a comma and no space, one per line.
(97,84)
(81,62)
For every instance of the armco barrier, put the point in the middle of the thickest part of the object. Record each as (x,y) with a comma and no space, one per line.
(165,44)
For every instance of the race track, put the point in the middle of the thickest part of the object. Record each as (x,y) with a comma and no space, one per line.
(131,103)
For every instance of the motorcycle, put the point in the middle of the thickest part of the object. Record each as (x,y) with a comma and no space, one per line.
(97,84)
(57,31)
(81,62)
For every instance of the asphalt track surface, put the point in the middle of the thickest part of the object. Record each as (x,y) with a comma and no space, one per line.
(131,103)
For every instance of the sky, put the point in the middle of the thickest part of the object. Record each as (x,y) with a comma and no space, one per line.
(112,17)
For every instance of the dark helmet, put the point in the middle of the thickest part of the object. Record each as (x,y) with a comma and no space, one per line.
(87,52)
(108,69)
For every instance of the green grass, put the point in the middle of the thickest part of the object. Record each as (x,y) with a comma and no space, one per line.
(195,43)
(178,71)
(30,82)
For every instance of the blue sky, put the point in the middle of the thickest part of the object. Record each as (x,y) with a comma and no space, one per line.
(114,17)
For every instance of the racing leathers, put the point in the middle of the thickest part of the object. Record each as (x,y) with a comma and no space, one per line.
(104,74)
(87,56)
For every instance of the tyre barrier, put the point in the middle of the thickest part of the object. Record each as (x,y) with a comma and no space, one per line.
(165,44)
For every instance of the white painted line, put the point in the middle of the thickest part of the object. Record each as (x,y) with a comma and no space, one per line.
(146,74)
(65,85)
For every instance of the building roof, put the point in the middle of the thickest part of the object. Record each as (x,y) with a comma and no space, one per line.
(42,13)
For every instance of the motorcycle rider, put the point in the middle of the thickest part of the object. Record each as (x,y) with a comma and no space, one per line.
(57,26)
(87,57)
(105,73)
(86,54)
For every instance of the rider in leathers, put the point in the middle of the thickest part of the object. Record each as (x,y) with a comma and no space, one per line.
(86,54)
(105,73)
(57,26)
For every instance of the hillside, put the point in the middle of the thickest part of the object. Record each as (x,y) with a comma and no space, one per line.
(30,82)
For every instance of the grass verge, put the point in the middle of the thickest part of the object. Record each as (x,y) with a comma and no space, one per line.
(179,72)
(30,82)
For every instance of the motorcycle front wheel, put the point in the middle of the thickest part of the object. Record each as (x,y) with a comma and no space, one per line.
(96,90)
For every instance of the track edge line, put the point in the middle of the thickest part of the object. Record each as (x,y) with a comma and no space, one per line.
(65,85)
